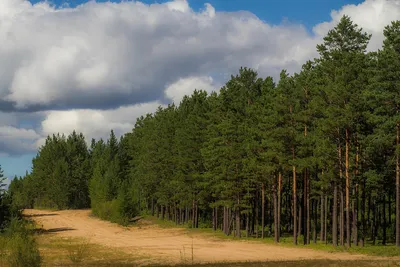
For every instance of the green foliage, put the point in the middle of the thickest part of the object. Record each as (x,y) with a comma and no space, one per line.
(7,210)
(59,177)
(79,253)
(19,246)
(23,251)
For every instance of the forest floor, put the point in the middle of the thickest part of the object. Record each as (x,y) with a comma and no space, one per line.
(74,236)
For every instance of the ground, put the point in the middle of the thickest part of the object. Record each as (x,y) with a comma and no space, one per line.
(149,244)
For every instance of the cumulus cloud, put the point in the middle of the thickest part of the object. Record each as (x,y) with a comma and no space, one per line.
(103,55)
(17,141)
(371,15)
(95,123)
(185,86)
(99,66)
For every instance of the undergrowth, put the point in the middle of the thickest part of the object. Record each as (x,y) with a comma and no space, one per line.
(389,250)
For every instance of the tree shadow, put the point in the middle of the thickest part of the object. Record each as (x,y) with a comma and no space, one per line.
(42,231)
(40,215)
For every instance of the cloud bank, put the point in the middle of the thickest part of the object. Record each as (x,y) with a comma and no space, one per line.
(99,66)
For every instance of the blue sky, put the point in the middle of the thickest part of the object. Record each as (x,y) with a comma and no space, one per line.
(170,76)
(16,165)
(306,12)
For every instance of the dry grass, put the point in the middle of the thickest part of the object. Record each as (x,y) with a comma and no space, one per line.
(304,263)
(57,251)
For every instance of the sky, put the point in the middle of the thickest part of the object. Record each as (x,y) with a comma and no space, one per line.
(93,66)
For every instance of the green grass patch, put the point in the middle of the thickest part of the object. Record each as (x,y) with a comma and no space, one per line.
(163,223)
(308,263)
(287,241)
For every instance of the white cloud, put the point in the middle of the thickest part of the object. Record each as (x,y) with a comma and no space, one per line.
(178,5)
(371,15)
(128,52)
(185,86)
(95,123)
(17,141)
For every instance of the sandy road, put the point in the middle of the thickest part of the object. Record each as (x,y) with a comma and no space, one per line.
(168,245)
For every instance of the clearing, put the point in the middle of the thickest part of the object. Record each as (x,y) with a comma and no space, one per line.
(172,245)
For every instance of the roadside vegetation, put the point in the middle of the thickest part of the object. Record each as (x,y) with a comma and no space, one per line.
(18,247)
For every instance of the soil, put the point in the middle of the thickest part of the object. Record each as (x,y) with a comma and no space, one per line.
(172,245)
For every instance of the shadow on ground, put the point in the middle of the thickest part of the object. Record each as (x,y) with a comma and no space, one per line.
(40,215)
(52,230)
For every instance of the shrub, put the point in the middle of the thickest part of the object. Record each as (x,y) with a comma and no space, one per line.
(19,246)
(77,254)
(23,251)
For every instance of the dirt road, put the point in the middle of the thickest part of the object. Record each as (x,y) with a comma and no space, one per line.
(169,245)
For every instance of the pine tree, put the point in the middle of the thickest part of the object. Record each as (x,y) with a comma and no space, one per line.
(342,60)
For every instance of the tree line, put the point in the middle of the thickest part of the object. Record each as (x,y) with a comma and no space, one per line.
(314,156)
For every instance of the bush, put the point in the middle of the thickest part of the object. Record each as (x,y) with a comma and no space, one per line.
(3,250)
(23,251)
(79,253)
(19,248)
(119,210)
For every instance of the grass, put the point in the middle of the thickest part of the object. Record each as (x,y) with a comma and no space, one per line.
(368,249)
(308,263)
(18,248)
(77,251)
(3,251)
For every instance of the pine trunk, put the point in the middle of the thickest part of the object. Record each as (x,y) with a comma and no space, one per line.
(247,224)
(300,220)
(341,194)
(275,213)
(279,203)
(363,199)
(225,223)
(262,210)
(397,186)
(355,200)
(193,214)
(389,209)
(384,221)
(326,219)
(308,209)
(348,230)
(322,218)
(256,207)
(334,216)
(355,218)
(197,216)
(214,225)
(294,203)
(303,218)
(187,214)
(341,217)
(374,223)
(237,215)
(152,206)
(315,208)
